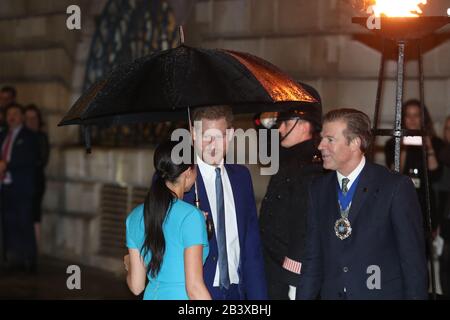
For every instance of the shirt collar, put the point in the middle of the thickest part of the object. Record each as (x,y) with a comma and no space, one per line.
(353,175)
(17,129)
(208,169)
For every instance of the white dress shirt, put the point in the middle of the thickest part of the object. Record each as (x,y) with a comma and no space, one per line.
(352,176)
(15,132)
(208,173)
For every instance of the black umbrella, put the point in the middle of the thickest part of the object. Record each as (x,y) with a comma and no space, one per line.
(161,86)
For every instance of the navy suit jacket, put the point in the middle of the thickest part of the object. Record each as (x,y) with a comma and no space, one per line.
(252,283)
(387,232)
(24,160)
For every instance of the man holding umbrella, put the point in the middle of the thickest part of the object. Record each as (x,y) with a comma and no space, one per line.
(282,215)
(234,269)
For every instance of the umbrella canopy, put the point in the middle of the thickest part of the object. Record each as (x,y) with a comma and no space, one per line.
(161,86)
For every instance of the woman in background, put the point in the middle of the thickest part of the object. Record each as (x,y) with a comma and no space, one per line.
(166,237)
(412,165)
(443,187)
(33,121)
(411,161)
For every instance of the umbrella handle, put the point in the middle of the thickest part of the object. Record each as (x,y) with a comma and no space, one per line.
(209,221)
(197,201)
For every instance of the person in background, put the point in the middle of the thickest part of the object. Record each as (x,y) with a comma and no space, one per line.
(443,189)
(8,96)
(166,237)
(411,163)
(19,156)
(33,121)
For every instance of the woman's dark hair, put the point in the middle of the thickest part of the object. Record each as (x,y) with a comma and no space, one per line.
(34,108)
(429,128)
(159,201)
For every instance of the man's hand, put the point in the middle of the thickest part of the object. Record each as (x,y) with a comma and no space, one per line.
(292,292)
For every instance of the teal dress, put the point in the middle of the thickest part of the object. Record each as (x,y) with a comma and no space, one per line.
(183,227)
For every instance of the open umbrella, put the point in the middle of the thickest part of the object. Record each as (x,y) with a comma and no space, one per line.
(161,86)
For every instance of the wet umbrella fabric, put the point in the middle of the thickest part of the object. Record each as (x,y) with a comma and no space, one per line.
(161,86)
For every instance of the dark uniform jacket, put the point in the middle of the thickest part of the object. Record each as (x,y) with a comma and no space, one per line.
(283,210)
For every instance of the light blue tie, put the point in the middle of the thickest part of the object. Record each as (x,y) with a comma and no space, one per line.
(224,278)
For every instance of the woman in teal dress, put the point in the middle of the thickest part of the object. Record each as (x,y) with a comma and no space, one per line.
(166,237)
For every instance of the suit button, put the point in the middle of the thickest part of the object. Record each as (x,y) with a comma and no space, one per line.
(263,230)
(345,269)
(214,258)
(270,214)
(278,197)
(288,180)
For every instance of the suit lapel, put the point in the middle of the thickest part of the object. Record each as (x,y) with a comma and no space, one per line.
(17,141)
(332,201)
(362,192)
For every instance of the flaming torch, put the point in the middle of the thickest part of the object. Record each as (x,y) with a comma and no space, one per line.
(401,8)
(401,21)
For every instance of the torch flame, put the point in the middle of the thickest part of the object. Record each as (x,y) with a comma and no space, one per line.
(398,8)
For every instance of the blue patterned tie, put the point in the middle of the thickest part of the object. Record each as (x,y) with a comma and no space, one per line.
(345,182)
(224,278)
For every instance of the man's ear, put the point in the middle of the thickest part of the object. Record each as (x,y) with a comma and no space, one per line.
(307,127)
(356,143)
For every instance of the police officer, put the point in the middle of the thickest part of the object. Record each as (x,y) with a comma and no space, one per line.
(283,210)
